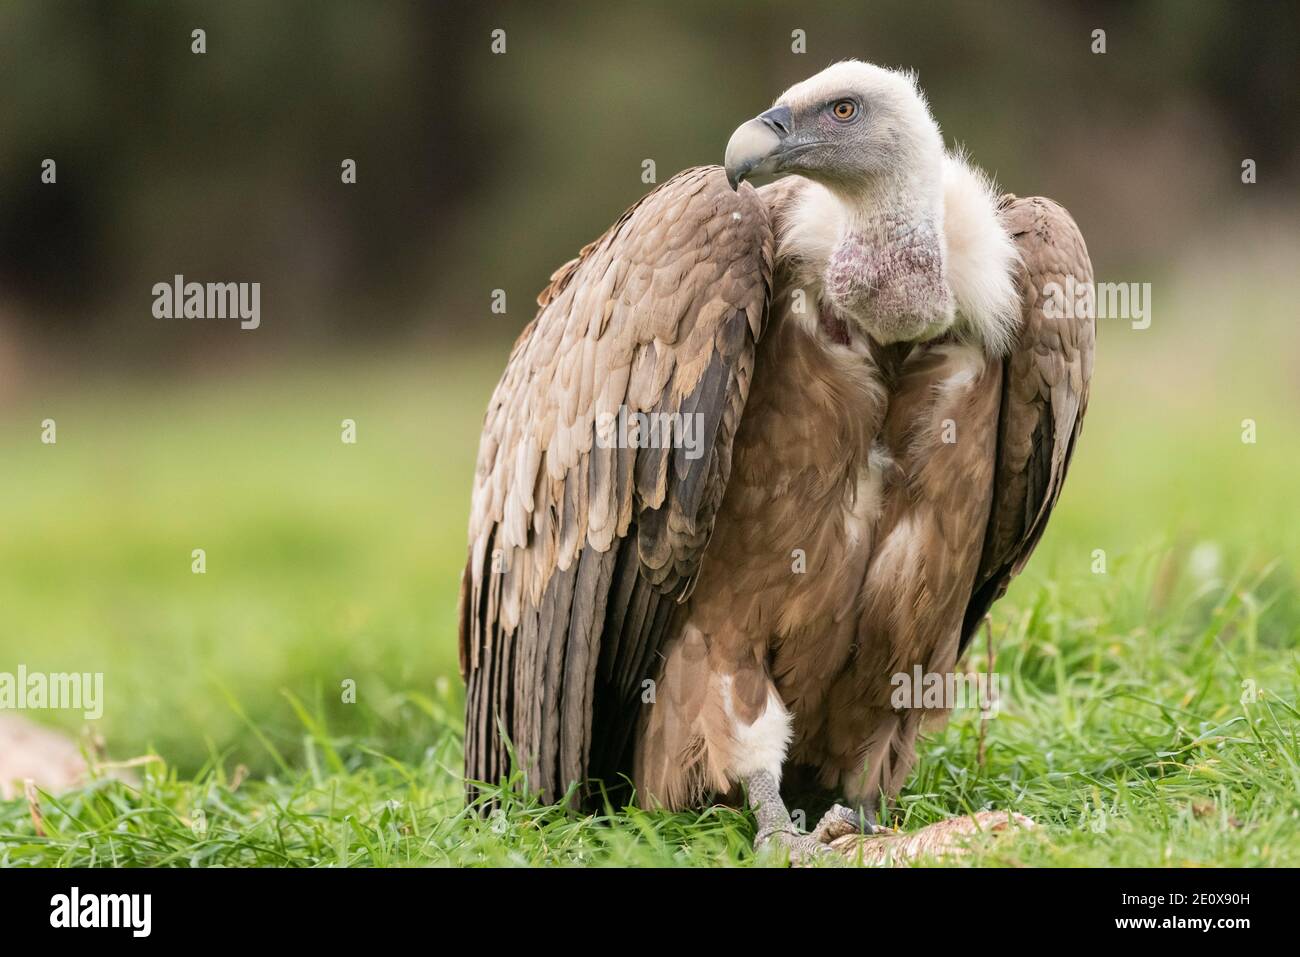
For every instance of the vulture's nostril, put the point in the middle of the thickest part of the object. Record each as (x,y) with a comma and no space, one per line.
(778,119)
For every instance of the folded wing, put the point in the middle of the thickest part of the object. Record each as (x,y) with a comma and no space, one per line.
(582,539)
(1045,394)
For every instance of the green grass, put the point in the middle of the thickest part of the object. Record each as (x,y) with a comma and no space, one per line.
(1123,731)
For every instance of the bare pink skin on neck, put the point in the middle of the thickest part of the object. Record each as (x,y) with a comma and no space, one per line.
(887,276)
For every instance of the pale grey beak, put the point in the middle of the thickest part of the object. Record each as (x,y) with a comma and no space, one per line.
(758,146)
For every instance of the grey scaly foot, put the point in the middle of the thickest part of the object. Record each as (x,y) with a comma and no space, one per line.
(841,820)
(803,849)
(774,825)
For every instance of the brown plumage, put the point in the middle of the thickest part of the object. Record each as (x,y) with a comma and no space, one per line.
(855,494)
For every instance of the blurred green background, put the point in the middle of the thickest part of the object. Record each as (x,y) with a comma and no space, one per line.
(476,172)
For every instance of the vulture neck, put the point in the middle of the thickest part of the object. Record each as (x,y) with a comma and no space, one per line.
(886,274)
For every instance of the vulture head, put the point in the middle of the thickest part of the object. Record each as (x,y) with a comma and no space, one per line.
(865,134)
(855,128)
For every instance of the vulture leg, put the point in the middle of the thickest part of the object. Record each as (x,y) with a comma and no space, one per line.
(774,823)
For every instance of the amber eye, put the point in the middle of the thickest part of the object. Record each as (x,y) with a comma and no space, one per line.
(844,109)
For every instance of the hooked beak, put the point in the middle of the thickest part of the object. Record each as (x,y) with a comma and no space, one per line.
(760,146)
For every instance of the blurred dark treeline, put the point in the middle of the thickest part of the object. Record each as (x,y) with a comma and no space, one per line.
(479,171)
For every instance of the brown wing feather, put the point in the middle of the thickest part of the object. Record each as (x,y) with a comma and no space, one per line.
(579,553)
(1044,397)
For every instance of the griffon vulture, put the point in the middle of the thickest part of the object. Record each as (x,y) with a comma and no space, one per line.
(759,451)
